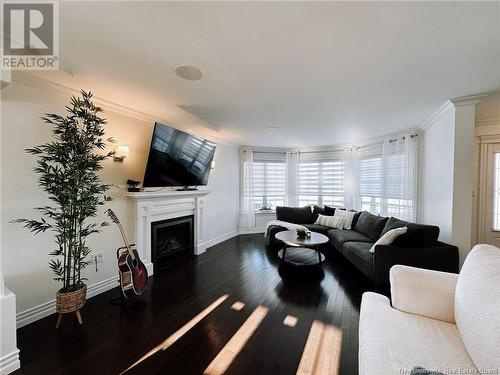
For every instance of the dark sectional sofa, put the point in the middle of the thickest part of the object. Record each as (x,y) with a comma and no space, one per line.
(419,247)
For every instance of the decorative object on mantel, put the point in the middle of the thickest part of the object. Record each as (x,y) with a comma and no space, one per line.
(133,186)
(133,273)
(68,169)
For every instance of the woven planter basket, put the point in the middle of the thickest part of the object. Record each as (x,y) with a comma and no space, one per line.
(72,301)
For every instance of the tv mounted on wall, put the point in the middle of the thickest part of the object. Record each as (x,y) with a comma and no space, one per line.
(178,159)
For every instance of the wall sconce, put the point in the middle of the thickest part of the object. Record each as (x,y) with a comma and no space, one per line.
(121,152)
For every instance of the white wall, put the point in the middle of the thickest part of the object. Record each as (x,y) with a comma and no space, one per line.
(463,176)
(24,256)
(436,174)
(446,168)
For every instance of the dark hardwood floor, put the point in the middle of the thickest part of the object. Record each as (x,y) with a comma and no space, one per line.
(113,338)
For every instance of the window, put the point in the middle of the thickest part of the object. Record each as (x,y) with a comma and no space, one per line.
(370,183)
(496,192)
(382,188)
(321,182)
(269,184)
(379,178)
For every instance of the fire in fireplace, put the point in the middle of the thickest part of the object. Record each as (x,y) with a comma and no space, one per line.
(171,241)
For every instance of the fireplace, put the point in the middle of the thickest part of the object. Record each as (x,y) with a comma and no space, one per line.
(171,241)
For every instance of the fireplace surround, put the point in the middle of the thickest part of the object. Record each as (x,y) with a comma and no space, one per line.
(151,207)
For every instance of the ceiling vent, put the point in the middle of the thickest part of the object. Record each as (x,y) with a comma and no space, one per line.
(188,72)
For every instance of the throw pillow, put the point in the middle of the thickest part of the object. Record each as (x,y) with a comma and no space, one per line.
(389,237)
(316,211)
(348,217)
(330,221)
(329,211)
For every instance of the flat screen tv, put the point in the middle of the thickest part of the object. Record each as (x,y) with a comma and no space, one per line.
(177,159)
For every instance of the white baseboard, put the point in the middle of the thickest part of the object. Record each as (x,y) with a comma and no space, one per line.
(48,308)
(9,363)
(217,240)
(252,230)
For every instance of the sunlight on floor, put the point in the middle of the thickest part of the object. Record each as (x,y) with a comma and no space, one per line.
(321,354)
(226,356)
(290,320)
(238,305)
(182,331)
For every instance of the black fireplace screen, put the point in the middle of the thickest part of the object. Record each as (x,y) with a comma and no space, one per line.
(171,241)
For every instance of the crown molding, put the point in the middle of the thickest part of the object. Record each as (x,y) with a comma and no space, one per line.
(450,104)
(435,116)
(468,100)
(488,122)
(487,128)
(30,79)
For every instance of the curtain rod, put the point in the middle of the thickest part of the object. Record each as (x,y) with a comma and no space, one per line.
(392,140)
(275,151)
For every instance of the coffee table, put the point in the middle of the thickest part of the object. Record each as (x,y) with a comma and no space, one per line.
(299,249)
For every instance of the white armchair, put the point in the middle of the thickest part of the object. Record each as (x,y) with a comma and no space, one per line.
(424,292)
(440,321)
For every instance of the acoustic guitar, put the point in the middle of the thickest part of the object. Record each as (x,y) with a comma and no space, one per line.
(133,273)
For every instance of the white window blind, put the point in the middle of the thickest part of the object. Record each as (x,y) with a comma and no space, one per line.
(321,182)
(370,176)
(269,183)
(370,183)
(383,184)
(394,176)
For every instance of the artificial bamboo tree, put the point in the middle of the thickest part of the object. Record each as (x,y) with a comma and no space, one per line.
(68,169)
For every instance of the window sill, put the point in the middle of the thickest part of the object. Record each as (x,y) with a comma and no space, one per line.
(265,212)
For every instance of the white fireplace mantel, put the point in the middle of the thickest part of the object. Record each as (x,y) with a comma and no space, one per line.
(154,206)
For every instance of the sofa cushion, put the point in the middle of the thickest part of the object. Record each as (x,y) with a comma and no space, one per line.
(476,306)
(318,228)
(295,215)
(339,236)
(417,235)
(394,342)
(358,253)
(317,210)
(355,218)
(370,225)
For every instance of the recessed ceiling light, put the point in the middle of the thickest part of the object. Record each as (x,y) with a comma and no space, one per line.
(191,73)
(272,128)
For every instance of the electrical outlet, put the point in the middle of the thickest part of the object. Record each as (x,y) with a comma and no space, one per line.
(97,258)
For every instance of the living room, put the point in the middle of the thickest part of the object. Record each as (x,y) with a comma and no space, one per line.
(250,187)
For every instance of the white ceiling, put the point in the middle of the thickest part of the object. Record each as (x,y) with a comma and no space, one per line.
(325,73)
